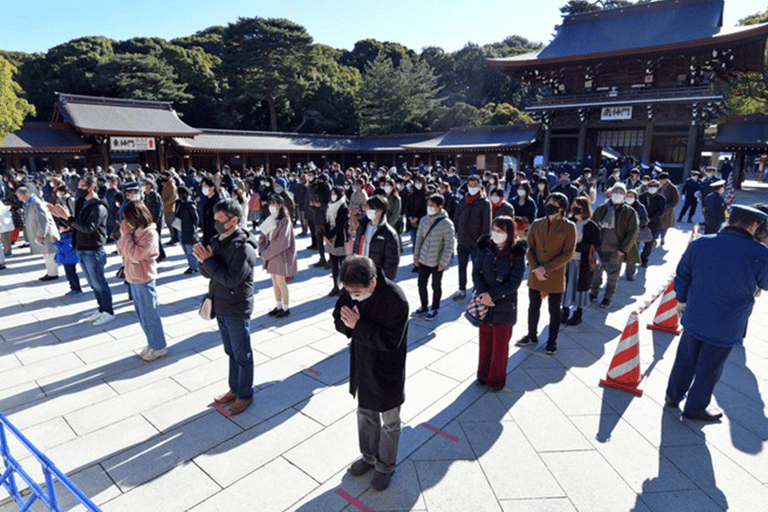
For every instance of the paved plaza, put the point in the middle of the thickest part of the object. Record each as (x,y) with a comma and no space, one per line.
(139,437)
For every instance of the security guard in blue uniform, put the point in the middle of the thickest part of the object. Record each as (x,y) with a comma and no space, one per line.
(713,208)
(733,261)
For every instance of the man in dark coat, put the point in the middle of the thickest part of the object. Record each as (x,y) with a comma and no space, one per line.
(373,312)
(154,204)
(472,221)
(319,197)
(714,208)
(564,187)
(655,205)
(690,188)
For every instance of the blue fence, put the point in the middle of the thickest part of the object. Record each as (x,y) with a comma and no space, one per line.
(12,469)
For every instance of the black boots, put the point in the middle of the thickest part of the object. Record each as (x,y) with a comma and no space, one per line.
(576,318)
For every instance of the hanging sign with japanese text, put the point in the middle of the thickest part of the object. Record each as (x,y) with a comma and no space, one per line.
(616,114)
(132,143)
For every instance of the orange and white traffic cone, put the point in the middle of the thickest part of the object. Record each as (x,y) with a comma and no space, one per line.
(666,318)
(624,372)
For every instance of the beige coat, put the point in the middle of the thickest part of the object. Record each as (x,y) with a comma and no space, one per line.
(550,245)
(672,195)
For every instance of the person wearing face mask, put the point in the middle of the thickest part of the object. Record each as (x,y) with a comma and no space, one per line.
(432,253)
(417,207)
(453,179)
(281,189)
(228,263)
(357,202)
(336,233)
(579,272)
(277,248)
(154,204)
(300,191)
(540,196)
(634,179)
(40,230)
(691,189)
(376,239)
(706,183)
(525,207)
(186,213)
(394,211)
(644,235)
(714,208)
(613,179)
(90,226)
(669,192)
(211,197)
(551,245)
(169,195)
(500,207)
(619,227)
(372,312)
(473,220)
(319,196)
(655,205)
(497,272)
(714,320)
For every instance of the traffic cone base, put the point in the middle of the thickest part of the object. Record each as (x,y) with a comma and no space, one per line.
(618,385)
(670,330)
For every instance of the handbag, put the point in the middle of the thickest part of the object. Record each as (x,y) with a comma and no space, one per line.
(206,309)
(176,224)
(476,310)
(645,235)
(594,258)
(120,272)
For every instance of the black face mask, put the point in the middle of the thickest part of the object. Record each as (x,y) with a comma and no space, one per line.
(220,227)
(81,193)
(576,210)
(551,209)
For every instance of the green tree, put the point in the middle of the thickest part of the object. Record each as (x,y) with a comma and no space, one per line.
(444,118)
(368,49)
(397,99)
(141,77)
(13,108)
(504,114)
(747,93)
(261,60)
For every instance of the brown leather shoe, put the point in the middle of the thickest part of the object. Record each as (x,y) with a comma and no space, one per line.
(239,406)
(226,398)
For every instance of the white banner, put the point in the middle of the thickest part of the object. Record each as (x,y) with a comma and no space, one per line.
(132,143)
(616,114)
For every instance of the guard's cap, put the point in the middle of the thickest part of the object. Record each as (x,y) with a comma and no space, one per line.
(717,184)
(749,210)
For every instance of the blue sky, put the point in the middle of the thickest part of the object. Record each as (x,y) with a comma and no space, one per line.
(37,25)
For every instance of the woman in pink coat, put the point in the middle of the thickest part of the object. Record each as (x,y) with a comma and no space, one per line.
(139,246)
(277,248)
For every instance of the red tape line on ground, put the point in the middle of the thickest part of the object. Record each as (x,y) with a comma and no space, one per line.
(449,436)
(312,371)
(353,501)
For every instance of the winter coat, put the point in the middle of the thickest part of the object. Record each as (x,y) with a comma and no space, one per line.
(379,345)
(319,193)
(716,279)
(65,253)
(278,251)
(230,270)
(169,195)
(139,249)
(591,237)
(90,225)
(187,212)
(209,231)
(566,188)
(672,195)
(339,233)
(384,249)
(550,245)
(504,208)
(154,204)
(627,229)
(417,206)
(713,208)
(655,204)
(473,221)
(436,248)
(394,212)
(39,223)
(500,277)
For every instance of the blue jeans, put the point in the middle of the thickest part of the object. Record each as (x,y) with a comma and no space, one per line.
(464,252)
(700,363)
(70,269)
(190,257)
(236,337)
(93,263)
(145,300)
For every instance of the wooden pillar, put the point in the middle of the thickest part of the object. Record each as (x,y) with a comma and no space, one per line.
(547,146)
(104,148)
(218,161)
(648,143)
(582,143)
(690,149)
(161,155)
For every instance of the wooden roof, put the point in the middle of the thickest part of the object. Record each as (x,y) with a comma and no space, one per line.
(481,138)
(743,132)
(43,138)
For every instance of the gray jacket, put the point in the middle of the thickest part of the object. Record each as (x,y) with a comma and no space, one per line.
(39,223)
(437,247)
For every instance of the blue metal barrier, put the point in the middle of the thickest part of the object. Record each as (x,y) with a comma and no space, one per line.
(12,468)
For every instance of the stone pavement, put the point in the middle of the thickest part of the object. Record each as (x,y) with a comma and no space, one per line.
(139,437)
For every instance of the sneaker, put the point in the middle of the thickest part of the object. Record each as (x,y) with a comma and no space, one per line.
(274,312)
(152,354)
(319,264)
(420,312)
(431,315)
(283,313)
(551,351)
(592,298)
(606,303)
(190,270)
(104,318)
(526,340)
(460,295)
(93,316)
(73,293)
(3,267)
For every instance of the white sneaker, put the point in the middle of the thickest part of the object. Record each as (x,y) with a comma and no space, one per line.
(93,316)
(152,354)
(104,318)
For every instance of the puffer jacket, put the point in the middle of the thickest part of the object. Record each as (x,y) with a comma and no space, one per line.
(230,270)
(139,249)
(500,277)
(437,247)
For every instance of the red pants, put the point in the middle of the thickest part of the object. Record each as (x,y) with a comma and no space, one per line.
(494,352)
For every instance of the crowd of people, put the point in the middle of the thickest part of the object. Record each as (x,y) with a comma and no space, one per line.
(358,221)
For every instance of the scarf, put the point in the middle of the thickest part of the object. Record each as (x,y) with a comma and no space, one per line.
(333,209)
(472,199)
(609,220)
(269,225)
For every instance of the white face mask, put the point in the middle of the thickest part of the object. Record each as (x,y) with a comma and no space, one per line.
(496,199)
(630,200)
(653,190)
(542,186)
(387,189)
(205,191)
(498,238)
(418,185)
(431,210)
(371,214)
(278,190)
(273,209)
(521,192)
(334,198)
(361,298)
(473,190)
(617,198)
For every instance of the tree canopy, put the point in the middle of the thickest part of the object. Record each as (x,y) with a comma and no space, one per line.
(747,93)
(13,109)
